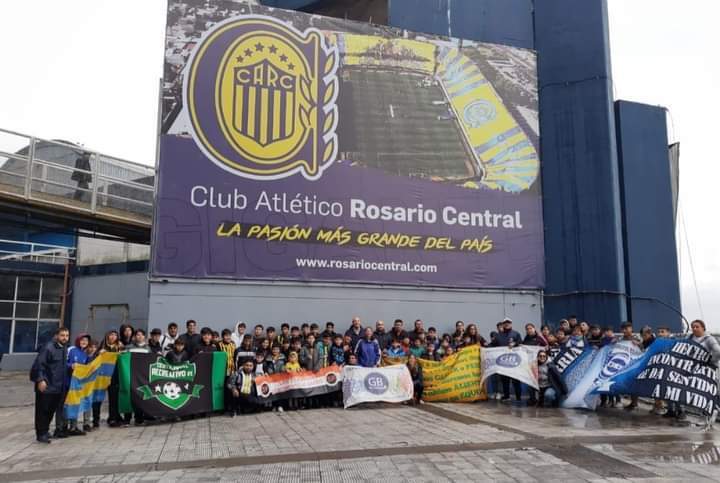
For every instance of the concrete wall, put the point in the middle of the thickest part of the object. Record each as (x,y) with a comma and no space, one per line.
(117,289)
(221,305)
(96,251)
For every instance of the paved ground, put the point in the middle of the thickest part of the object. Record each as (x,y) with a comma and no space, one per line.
(435,442)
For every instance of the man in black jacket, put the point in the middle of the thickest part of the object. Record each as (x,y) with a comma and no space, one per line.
(191,337)
(48,373)
(383,338)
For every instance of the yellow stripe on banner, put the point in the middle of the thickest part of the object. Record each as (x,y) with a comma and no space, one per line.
(83,371)
(252,92)
(75,396)
(264,108)
(277,99)
(455,379)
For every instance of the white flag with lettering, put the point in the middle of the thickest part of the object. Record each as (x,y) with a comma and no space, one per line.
(374,384)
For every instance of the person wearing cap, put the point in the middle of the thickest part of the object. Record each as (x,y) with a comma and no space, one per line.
(154,341)
(507,337)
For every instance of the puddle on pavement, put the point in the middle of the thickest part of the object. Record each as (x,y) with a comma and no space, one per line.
(703,453)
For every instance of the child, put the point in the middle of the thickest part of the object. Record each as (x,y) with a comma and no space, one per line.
(216,338)
(285,347)
(417,349)
(92,352)
(177,355)
(242,388)
(154,341)
(448,352)
(244,352)
(442,350)
(259,364)
(608,337)
(293,364)
(395,349)
(429,352)
(352,360)
(275,362)
(228,347)
(337,351)
(406,345)
(324,350)
(206,341)
(295,332)
(595,338)
(77,354)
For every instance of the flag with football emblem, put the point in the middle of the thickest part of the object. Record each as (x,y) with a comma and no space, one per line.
(162,389)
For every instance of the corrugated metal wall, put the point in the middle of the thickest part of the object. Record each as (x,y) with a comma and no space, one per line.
(583,238)
(651,266)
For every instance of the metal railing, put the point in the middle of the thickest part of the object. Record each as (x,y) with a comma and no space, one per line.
(14,250)
(75,177)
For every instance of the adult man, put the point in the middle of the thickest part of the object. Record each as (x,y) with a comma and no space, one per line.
(367,350)
(191,337)
(168,340)
(398,333)
(48,374)
(239,333)
(418,331)
(354,332)
(382,337)
(507,337)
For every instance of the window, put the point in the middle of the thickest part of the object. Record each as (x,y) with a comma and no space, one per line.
(30,309)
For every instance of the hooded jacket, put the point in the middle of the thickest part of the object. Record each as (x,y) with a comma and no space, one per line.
(75,355)
(237,338)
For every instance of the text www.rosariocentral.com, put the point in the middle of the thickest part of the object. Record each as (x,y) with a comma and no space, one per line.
(321,263)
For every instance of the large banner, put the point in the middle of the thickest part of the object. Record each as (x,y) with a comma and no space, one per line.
(673,370)
(161,389)
(287,385)
(519,363)
(88,384)
(457,378)
(592,369)
(376,384)
(298,147)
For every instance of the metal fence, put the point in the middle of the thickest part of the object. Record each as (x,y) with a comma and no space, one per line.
(35,252)
(73,177)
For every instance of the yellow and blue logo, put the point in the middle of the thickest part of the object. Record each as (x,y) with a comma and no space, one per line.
(261,96)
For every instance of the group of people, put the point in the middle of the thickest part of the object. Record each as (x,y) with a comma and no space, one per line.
(265,350)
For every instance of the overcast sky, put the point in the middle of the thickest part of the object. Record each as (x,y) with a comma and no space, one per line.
(87,71)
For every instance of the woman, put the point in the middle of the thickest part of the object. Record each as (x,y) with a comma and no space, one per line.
(111,343)
(711,345)
(126,334)
(474,336)
(417,377)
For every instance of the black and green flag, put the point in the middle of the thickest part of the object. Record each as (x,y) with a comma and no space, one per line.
(161,389)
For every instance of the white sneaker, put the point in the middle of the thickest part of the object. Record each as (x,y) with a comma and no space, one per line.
(280,409)
(421,401)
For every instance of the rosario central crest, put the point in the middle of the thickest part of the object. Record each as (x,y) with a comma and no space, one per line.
(261,98)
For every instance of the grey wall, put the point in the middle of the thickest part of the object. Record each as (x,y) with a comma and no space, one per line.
(117,288)
(221,305)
